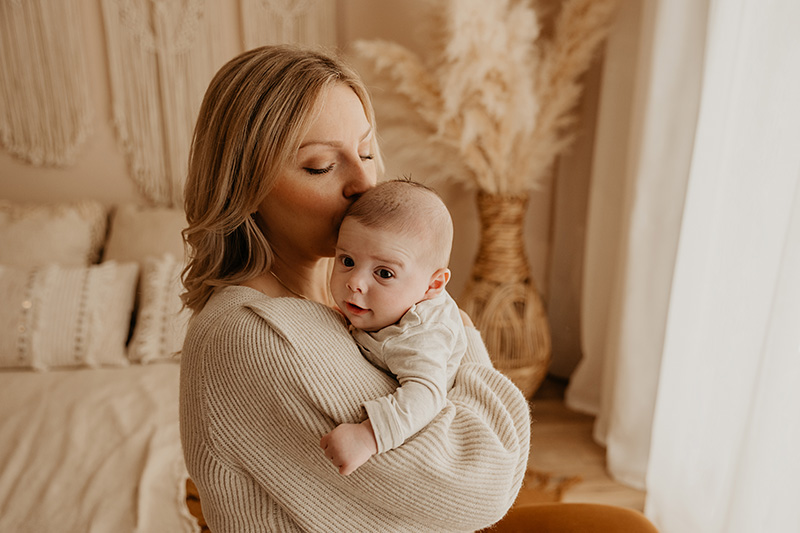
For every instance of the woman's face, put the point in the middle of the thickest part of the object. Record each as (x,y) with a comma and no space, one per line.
(333,166)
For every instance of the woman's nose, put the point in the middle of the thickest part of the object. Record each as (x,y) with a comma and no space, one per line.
(361,178)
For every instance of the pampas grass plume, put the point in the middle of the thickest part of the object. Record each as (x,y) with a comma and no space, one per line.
(493,102)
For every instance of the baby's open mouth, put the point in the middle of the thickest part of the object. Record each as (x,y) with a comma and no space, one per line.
(356,310)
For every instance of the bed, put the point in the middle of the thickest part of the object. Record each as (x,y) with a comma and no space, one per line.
(90,331)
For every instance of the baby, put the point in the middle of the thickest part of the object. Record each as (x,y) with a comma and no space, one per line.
(389,280)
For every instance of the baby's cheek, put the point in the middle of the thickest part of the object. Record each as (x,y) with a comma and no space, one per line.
(336,287)
(395,308)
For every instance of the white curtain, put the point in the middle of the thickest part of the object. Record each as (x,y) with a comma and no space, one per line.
(646,123)
(691,313)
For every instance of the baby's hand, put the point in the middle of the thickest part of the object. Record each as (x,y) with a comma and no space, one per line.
(349,446)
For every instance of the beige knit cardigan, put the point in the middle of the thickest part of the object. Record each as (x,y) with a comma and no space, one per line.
(263,379)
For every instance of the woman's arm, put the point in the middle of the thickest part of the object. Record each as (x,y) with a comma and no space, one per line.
(296,374)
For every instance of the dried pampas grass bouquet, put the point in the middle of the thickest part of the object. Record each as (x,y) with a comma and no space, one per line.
(491,107)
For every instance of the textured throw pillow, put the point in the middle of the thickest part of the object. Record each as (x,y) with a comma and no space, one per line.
(58,316)
(33,235)
(137,232)
(160,322)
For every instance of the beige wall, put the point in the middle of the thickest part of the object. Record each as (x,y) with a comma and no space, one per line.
(556,216)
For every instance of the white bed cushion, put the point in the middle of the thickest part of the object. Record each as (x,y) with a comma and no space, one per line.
(38,234)
(160,322)
(137,232)
(92,450)
(61,316)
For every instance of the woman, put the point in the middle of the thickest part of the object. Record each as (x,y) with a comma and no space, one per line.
(285,141)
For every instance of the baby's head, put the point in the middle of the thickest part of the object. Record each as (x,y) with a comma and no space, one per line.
(393,251)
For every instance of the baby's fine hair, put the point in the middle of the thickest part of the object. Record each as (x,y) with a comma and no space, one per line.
(408,207)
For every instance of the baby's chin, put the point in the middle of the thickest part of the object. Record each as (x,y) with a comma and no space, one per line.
(365,325)
(370,324)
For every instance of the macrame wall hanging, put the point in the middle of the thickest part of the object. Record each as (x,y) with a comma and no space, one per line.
(309,22)
(160,62)
(45,110)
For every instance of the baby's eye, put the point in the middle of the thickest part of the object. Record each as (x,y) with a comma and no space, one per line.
(384,273)
(348,261)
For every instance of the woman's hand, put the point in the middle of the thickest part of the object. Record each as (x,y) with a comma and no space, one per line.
(349,446)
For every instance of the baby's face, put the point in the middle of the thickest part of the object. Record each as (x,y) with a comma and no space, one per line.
(377,275)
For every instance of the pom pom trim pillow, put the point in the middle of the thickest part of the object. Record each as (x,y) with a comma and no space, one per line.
(161,321)
(60,316)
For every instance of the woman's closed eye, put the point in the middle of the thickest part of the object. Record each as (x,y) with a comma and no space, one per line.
(324,170)
(315,171)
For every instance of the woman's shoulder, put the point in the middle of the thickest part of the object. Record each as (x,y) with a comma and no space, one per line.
(242,309)
(242,332)
(226,305)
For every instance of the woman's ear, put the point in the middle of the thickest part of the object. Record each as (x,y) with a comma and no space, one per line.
(437,284)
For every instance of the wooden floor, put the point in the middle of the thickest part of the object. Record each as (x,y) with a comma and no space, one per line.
(562,445)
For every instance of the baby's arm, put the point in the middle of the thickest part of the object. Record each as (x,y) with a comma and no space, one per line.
(420,364)
(349,446)
(423,359)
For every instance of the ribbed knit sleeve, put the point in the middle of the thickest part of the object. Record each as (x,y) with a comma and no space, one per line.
(263,379)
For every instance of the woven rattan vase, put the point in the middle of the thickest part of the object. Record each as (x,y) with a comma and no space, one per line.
(501,296)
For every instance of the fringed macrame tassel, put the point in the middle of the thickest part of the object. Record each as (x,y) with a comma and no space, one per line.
(309,22)
(45,110)
(160,62)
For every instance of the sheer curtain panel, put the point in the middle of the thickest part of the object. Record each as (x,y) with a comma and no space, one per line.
(646,125)
(726,433)
(691,299)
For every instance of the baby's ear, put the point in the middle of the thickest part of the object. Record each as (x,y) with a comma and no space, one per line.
(437,284)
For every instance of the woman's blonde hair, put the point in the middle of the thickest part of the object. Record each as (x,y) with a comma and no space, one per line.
(254,115)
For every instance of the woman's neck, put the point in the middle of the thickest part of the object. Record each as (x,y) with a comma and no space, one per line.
(307,280)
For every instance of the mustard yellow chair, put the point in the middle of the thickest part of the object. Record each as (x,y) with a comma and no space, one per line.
(572,518)
(533,518)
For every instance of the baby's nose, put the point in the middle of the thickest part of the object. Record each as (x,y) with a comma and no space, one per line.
(355,283)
